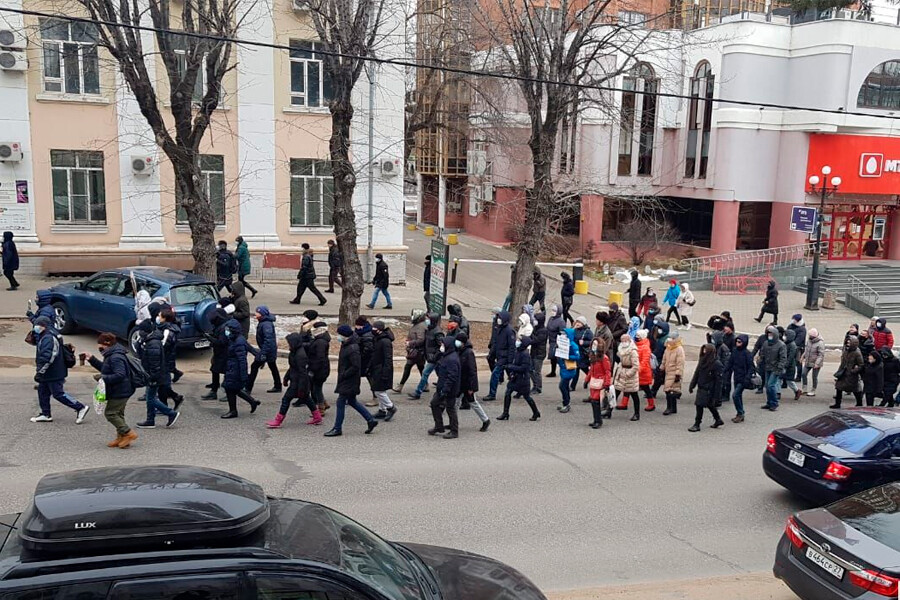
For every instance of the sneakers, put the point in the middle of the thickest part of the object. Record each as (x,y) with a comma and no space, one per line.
(485,425)
(564,409)
(81,414)
(179,400)
(694,428)
(42,419)
(811,393)
(146,425)
(390,413)
(370,306)
(172,419)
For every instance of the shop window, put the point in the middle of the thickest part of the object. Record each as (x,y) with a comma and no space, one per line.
(699,122)
(79,190)
(312,193)
(690,217)
(310,83)
(70,57)
(637,124)
(212,182)
(881,89)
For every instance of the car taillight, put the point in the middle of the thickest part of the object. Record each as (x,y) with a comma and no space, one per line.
(793,533)
(837,472)
(883,585)
(770,443)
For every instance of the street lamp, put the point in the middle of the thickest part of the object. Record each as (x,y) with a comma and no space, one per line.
(824,186)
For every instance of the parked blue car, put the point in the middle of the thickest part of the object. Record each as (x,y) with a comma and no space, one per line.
(105,302)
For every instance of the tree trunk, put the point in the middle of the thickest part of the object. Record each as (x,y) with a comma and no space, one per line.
(538,208)
(200,217)
(344,215)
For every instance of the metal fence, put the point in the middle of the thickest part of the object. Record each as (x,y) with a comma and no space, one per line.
(861,292)
(748,262)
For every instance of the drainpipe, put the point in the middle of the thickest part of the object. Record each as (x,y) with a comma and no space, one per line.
(370,251)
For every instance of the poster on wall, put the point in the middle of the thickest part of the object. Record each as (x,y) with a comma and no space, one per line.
(14,213)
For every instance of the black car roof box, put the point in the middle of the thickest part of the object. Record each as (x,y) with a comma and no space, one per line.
(140,508)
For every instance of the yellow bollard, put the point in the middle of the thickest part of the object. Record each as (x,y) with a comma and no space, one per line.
(429,231)
(452,239)
(581,286)
(615,297)
(412,227)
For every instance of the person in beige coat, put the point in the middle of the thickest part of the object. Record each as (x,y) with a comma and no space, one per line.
(672,366)
(685,305)
(627,378)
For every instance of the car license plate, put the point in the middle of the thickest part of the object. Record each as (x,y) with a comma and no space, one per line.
(201,344)
(798,458)
(824,563)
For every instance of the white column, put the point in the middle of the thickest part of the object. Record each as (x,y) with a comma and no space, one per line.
(256,128)
(419,196)
(141,194)
(442,203)
(16,178)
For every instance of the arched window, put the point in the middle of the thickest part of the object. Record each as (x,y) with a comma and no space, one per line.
(638,115)
(699,121)
(881,89)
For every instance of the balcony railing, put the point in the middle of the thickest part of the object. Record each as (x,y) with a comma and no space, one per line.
(748,262)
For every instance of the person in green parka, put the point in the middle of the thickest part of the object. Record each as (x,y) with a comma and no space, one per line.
(242,256)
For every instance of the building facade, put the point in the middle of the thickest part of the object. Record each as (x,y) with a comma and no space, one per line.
(72,190)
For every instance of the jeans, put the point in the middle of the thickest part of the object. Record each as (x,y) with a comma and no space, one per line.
(815,376)
(496,374)
(426,373)
(539,297)
(738,398)
(342,403)
(384,291)
(564,390)
(154,406)
(46,389)
(317,393)
(773,385)
(536,366)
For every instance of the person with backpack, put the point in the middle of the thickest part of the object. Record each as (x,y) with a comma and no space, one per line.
(350,373)
(306,278)
(268,350)
(520,380)
(153,360)
(468,378)
(236,370)
(226,267)
(118,377)
(242,258)
(296,383)
(381,280)
(51,371)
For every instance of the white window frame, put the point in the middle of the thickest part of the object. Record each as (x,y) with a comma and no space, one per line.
(636,85)
(631,17)
(205,174)
(326,193)
(59,46)
(301,99)
(91,193)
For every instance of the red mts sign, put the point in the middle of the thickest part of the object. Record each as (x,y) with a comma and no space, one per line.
(865,164)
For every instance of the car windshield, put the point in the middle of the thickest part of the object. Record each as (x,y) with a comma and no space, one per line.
(875,512)
(192,294)
(846,431)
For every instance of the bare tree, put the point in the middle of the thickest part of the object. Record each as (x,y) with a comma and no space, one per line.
(195,67)
(641,235)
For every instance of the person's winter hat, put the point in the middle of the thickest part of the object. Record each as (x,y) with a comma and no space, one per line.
(674,335)
(345,330)
(311,315)
(813,333)
(798,317)
(613,307)
(154,309)
(673,282)
(42,321)
(641,334)
(263,310)
(462,338)
(379,257)
(582,319)
(145,326)
(379,326)
(452,326)
(771,329)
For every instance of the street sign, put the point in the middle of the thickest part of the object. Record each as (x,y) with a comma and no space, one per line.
(440,259)
(803,219)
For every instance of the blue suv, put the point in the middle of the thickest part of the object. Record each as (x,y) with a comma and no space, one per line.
(105,302)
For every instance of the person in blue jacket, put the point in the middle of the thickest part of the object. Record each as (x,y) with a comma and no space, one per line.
(672,299)
(51,372)
(740,365)
(268,350)
(44,308)
(504,350)
(153,359)
(583,338)
(520,380)
(236,370)
(446,390)
(567,375)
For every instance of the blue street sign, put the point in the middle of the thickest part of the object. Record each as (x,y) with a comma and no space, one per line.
(803,219)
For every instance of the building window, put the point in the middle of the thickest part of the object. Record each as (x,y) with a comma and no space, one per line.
(212,183)
(79,193)
(630,17)
(699,122)
(881,89)
(312,193)
(70,57)
(310,84)
(567,140)
(181,46)
(638,114)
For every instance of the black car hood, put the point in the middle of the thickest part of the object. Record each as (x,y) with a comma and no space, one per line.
(466,576)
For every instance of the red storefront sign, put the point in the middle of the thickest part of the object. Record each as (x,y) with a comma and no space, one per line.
(865,164)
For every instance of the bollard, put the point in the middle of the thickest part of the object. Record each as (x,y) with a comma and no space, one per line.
(452,239)
(429,231)
(453,272)
(411,227)
(581,286)
(578,273)
(616,297)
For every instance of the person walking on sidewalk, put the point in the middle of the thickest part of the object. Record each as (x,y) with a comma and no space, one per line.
(236,370)
(296,383)
(381,370)
(520,380)
(381,281)
(555,326)
(740,365)
(119,388)
(350,374)
(446,391)
(426,282)
(672,367)
(433,338)
(707,380)
(627,377)
(634,293)
(513,271)
(770,304)
(468,379)
(51,372)
(267,354)
(773,355)
(153,359)
(241,304)
(226,267)
(306,278)
(538,352)
(685,304)
(538,289)
(848,373)
(335,265)
(671,298)
(567,295)
(415,348)
(10,260)
(242,257)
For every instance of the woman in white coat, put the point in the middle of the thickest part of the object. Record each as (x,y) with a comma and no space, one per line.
(685,305)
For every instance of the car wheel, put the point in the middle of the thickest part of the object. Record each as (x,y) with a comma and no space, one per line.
(133,336)
(64,322)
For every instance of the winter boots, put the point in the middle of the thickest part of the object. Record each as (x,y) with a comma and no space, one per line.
(276,422)
(651,404)
(671,403)
(316,418)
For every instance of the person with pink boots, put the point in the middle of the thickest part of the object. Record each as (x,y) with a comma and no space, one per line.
(296,382)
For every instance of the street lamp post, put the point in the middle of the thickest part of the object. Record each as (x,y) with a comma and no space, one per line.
(824,190)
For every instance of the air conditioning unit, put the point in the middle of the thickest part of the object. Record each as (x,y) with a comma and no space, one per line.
(10,152)
(301,7)
(390,168)
(9,38)
(143,165)
(476,162)
(13,60)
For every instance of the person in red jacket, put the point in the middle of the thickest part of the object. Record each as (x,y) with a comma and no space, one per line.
(645,368)
(599,377)
(882,336)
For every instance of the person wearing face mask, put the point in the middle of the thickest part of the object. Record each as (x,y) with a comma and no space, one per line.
(381,370)
(268,350)
(740,365)
(627,378)
(319,363)
(433,338)
(504,350)
(242,258)
(525,327)
(348,382)
(672,368)
(236,370)
(447,390)
(381,281)
(226,267)
(153,359)
(45,308)
(415,347)
(707,381)
(468,379)
(119,388)
(812,360)
(847,375)
(51,372)
(873,378)
(774,361)
(538,352)
(520,380)
(645,369)
(219,344)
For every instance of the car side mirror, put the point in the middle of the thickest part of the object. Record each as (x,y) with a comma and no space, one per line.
(79,285)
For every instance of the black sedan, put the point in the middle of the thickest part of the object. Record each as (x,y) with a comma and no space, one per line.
(177,533)
(847,550)
(836,454)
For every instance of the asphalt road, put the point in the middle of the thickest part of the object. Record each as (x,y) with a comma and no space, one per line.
(569,506)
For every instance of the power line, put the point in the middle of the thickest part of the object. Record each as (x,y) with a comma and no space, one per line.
(455,70)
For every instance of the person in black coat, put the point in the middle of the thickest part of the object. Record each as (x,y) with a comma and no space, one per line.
(297,383)
(366,340)
(539,339)
(236,370)
(335,265)
(167,321)
(381,280)
(567,295)
(153,359)
(226,267)
(306,278)
(770,304)
(468,377)
(456,316)
(268,350)
(504,350)
(446,390)
(707,381)
(433,338)
(520,380)
(740,365)
(10,261)
(50,372)
(119,388)
(219,344)
(350,373)
(426,282)
(891,376)
(319,363)
(634,293)
(873,378)
(381,370)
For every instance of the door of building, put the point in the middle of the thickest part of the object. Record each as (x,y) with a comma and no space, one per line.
(857,232)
